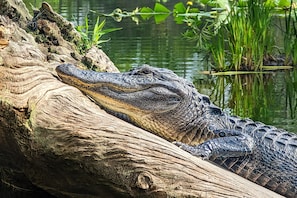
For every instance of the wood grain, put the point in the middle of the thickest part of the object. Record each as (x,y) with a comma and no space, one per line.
(70,147)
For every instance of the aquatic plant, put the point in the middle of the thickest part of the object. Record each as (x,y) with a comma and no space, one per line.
(247,95)
(160,13)
(290,38)
(291,93)
(236,34)
(92,36)
(247,36)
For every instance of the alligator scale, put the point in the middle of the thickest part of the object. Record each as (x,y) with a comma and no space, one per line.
(159,101)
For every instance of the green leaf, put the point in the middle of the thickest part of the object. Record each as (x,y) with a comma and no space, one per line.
(84,35)
(80,28)
(194,10)
(160,18)
(101,25)
(161,13)
(96,32)
(179,19)
(243,3)
(284,3)
(159,8)
(204,1)
(146,10)
(179,8)
(102,41)
(146,13)
(87,24)
(109,30)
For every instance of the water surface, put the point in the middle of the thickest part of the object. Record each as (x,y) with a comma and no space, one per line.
(269,98)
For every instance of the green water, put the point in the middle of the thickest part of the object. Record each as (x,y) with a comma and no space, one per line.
(269,98)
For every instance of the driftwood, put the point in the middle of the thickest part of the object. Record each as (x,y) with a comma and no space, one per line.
(52,137)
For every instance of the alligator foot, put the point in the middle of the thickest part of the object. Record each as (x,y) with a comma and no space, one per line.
(198,151)
(230,143)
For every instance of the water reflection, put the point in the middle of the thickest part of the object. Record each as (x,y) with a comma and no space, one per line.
(270,98)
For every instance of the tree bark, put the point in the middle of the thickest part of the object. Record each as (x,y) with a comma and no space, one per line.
(67,145)
(55,138)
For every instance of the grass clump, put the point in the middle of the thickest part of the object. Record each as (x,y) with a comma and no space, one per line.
(244,39)
(92,36)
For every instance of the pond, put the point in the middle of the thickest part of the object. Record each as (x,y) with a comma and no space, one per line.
(270,98)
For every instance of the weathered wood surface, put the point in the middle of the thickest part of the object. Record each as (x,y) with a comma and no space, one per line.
(54,137)
(68,145)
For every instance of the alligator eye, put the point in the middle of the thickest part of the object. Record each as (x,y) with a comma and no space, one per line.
(144,71)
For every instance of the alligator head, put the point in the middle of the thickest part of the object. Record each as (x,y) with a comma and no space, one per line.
(153,98)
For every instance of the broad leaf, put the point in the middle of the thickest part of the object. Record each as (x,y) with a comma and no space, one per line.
(159,8)
(160,18)
(146,12)
(179,8)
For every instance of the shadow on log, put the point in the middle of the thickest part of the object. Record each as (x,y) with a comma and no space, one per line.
(52,137)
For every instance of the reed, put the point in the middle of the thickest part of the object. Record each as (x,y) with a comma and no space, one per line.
(290,37)
(291,93)
(247,37)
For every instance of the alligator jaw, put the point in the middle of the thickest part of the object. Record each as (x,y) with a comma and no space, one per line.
(121,92)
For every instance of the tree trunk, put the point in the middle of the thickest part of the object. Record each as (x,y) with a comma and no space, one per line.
(52,137)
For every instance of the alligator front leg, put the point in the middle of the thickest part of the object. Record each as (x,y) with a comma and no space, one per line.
(230,143)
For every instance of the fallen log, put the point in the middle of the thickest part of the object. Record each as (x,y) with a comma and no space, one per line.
(67,145)
(54,138)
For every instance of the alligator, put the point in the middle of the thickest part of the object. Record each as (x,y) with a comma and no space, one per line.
(159,101)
